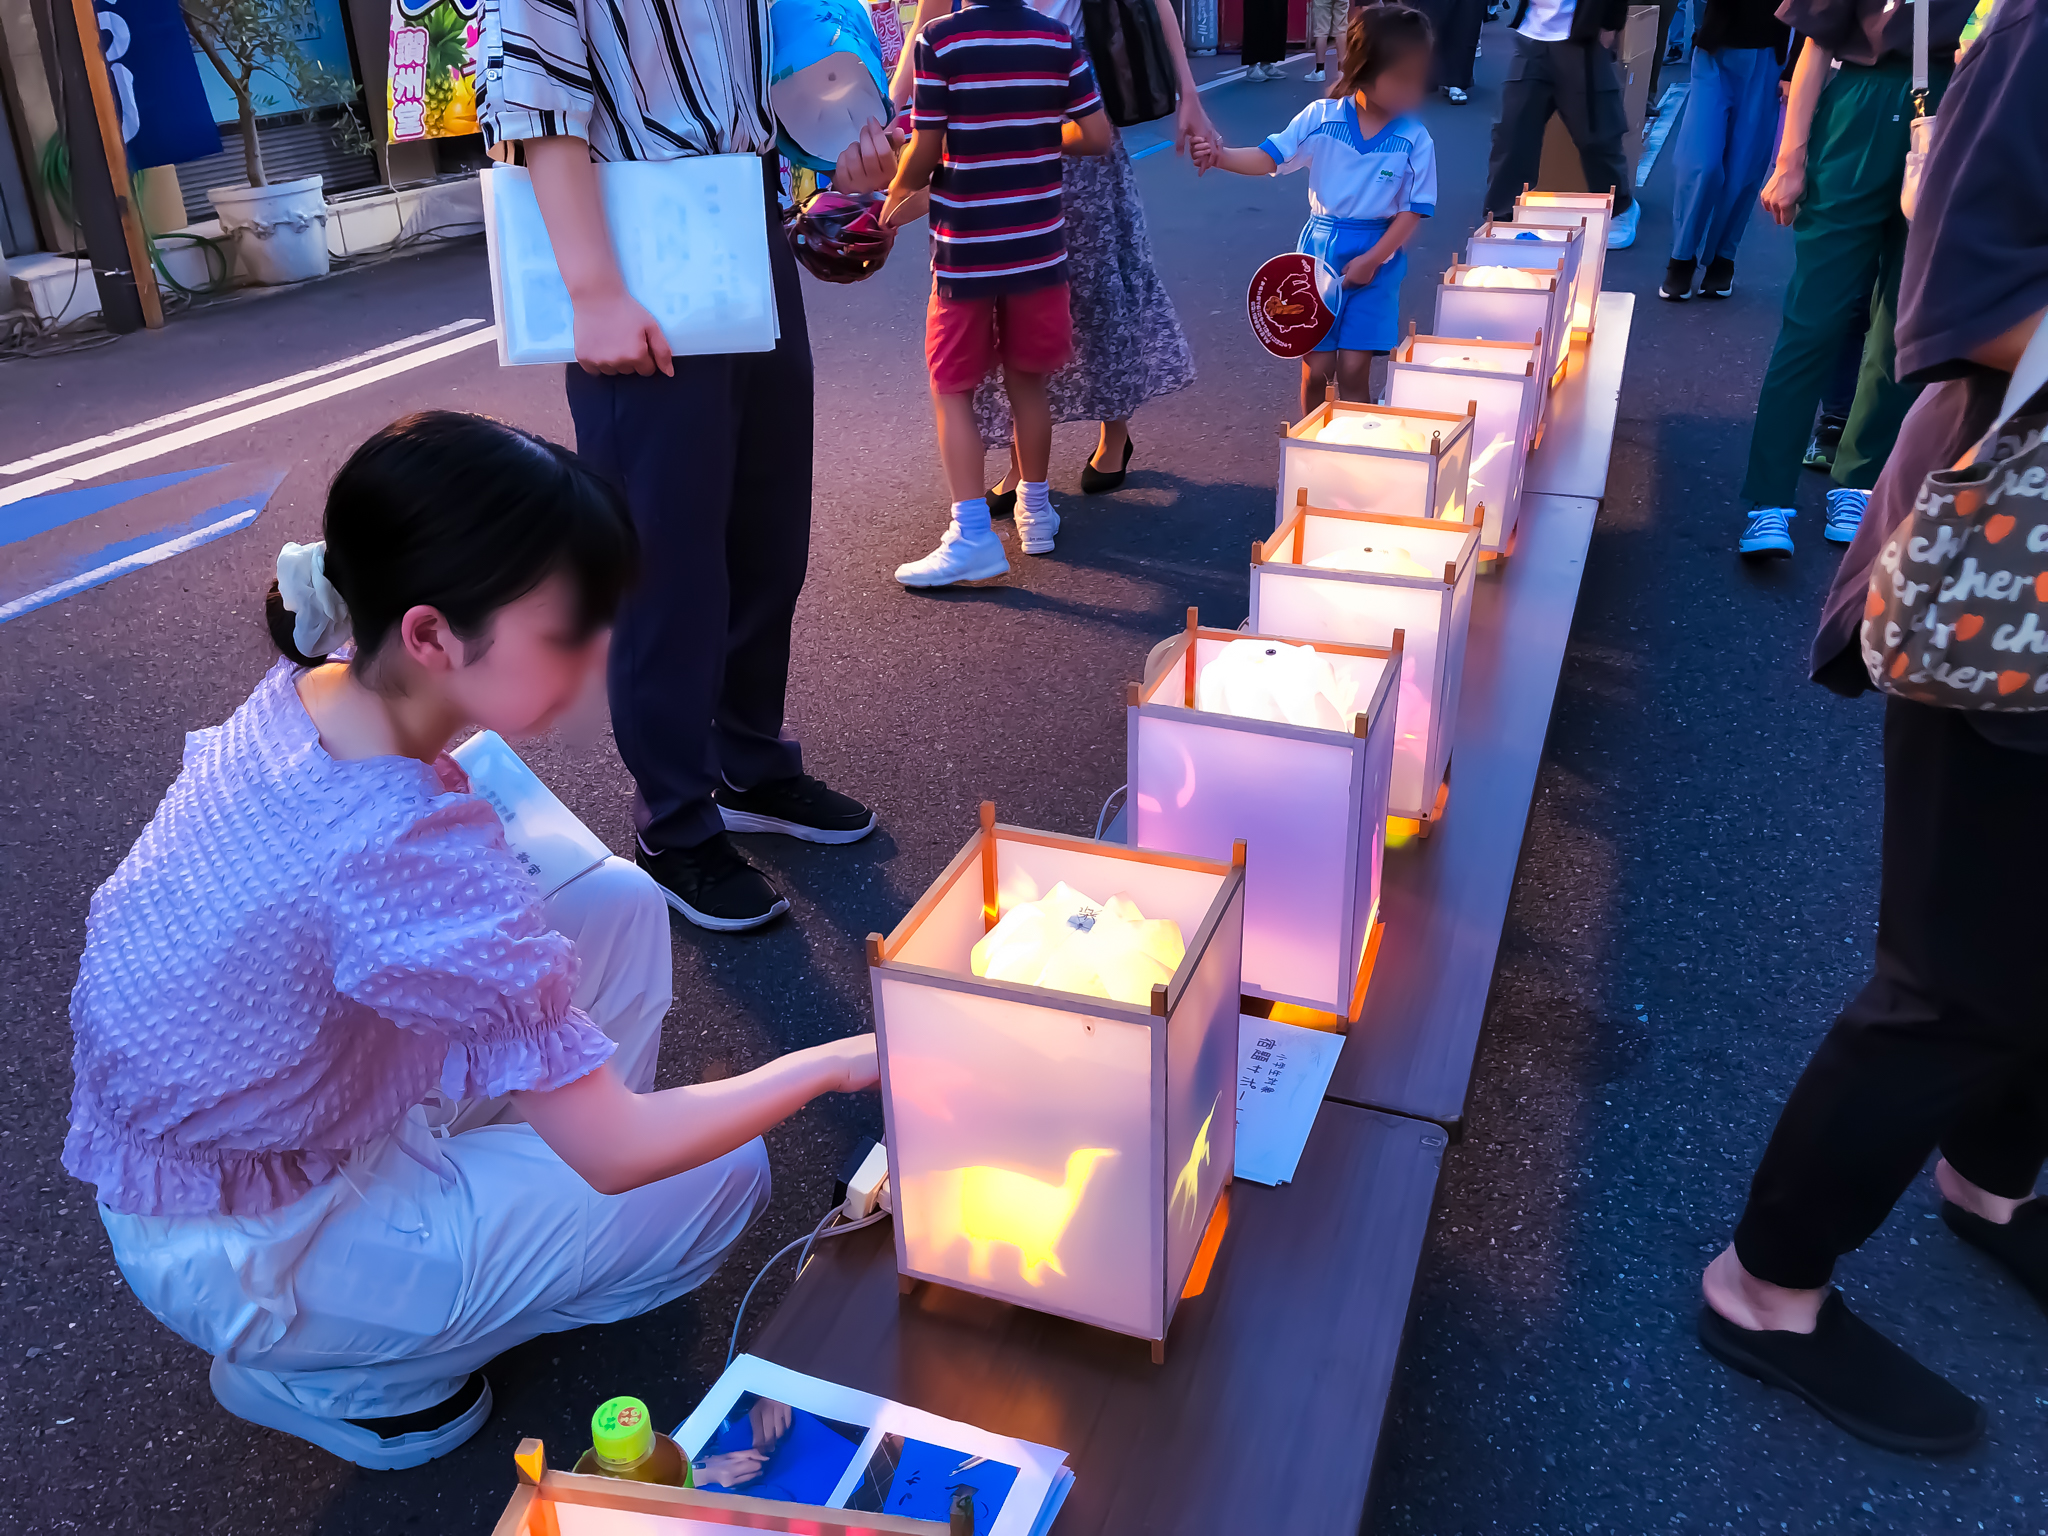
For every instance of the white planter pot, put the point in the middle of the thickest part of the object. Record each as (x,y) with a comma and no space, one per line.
(280,231)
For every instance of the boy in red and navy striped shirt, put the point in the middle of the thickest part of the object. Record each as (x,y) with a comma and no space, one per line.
(1002,91)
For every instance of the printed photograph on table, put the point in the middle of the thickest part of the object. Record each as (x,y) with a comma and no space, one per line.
(918,1481)
(769,1450)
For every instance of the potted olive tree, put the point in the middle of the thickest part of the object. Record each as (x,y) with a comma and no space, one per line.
(279,228)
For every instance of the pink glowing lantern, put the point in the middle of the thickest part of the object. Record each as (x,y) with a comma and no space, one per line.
(1507,304)
(1060,1149)
(1377,458)
(1362,579)
(1211,767)
(1592,212)
(1561,249)
(1500,383)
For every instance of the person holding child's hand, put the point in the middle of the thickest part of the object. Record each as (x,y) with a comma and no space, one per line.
(1371,182)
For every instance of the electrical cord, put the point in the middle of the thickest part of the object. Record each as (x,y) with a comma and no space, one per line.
(820,1230)
(1102,820)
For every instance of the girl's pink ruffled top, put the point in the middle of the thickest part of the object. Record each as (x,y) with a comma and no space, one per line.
(294,953)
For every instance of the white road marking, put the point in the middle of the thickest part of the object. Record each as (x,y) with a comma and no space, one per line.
(170,442)
(1653,137)
(207,407)
(127,563)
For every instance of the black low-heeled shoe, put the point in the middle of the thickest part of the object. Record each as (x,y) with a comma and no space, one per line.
(1094,481)
(1002,503)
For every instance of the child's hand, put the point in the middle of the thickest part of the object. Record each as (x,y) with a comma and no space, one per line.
(1359,271)
(1206,152)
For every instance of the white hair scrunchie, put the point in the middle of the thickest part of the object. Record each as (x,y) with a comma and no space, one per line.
(320,623)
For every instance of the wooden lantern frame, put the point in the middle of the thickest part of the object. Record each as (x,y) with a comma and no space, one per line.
(1370,744)
(1280,559)
(1177,1009)
(1547,308)
(1500,491)
(1590,211)
(1446,461)
(532,1509)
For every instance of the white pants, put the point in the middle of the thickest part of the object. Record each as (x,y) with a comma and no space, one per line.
(428,1254)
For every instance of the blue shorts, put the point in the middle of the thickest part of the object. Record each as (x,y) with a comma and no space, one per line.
(1370,317)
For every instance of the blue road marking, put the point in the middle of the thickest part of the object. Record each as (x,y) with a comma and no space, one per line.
(39,514)
(111,562)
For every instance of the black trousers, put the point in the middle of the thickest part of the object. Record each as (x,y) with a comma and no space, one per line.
(1265,32)
(1947,1044)
(1456,23)
(1581,83)
(716,465)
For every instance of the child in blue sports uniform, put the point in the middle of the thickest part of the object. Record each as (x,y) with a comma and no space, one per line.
(1371,183)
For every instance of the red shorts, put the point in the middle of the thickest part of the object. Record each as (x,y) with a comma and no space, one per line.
(1032,332)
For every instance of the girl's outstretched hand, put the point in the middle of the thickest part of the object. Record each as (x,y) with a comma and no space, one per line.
(1205,150)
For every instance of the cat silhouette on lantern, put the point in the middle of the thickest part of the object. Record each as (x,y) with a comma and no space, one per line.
(996,1206)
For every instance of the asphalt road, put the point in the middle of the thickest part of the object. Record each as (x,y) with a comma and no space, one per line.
(1697,898)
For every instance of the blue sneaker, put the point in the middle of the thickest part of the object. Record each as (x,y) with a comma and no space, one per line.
(1769,532)
(1621,234)
(1845,514)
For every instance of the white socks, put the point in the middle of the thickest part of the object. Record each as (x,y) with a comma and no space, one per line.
(971,517)
(1034,498)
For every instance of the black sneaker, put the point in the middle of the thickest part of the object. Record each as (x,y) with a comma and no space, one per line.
(2021,1244)
(1720,279)
(1827,436)
(1002,503)
(713,886)
(1677,284)
(796,807)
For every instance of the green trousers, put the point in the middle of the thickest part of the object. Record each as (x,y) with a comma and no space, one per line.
(1849,242)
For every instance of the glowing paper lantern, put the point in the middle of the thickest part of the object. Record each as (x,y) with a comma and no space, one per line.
(1593,212)
(1437,373)
(1055,1149)
(1471,301)
(1303,586)
(1309,803)
(1376,458)
(1508,245)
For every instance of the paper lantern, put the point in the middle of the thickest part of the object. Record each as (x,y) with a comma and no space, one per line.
(1055,1149)
(1376,458)
(1307,585)
(1590,211)
(1507,245)
(1438,373)
(1309,804)
(1469,304)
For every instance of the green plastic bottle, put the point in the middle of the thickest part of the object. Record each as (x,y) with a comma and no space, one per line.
(624,1443)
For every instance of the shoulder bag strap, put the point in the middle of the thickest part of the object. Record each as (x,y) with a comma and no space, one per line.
(1920,76)
(2029,376)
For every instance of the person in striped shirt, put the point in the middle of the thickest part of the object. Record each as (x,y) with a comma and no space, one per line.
(1002,92)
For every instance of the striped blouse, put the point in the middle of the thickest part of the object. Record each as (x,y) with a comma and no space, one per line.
(637,79)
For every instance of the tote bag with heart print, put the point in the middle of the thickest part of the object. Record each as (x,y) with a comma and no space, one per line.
(1957,612)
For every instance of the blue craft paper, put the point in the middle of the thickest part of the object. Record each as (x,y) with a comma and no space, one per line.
(922,1488)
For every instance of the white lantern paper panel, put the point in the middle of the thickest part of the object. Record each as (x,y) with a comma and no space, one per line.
(1466,308)
(1523,358)
(1427,600)
(1507,245)
(1375,458)
(1502,403)
(1309,804)
(1043,1144)
(1593,212)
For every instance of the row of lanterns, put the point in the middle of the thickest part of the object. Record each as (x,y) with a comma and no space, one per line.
(1070,1151)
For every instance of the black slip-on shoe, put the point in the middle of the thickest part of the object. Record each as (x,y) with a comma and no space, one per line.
(1002,503)
(1677,284)
(1850,1373)
(713,886)
(799,807)
(2021,1245)
(1095,481)
(1719,279)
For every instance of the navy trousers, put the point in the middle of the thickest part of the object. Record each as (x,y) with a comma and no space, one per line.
(716,466)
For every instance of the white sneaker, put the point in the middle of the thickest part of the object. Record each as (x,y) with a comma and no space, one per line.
(1317,75)
(959,557)
(1035,531)
(1621,234)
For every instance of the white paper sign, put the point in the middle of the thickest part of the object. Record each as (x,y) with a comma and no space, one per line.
(692,242)
(1283,1070)
(543,833)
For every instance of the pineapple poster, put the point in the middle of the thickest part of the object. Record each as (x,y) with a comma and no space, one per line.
(431,93)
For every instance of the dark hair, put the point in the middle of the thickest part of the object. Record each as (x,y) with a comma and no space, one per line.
(464,514)
(1378,38)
